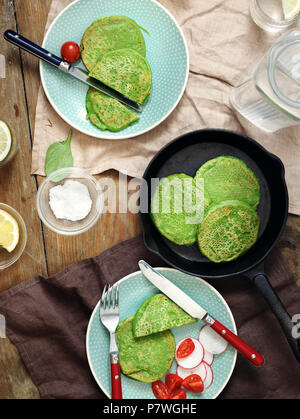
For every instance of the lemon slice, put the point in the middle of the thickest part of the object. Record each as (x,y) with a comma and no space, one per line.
(9,231)
(290,8)
(5,140)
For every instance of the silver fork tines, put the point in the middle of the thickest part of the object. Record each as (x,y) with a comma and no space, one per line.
(109,312)
(110,297)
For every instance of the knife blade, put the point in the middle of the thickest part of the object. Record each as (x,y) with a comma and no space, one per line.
(172,291)
(81,75)
(84,77)
(195,310)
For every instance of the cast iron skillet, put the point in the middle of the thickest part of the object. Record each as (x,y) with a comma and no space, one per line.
(185,155)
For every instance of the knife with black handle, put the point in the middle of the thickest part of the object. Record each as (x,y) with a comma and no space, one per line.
(82,75)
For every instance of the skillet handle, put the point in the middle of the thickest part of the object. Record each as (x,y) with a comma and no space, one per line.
(262,283)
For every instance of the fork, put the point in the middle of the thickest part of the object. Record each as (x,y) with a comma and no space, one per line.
(109,316)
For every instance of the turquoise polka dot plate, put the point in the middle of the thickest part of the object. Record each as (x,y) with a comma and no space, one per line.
(134,289)
(166,51)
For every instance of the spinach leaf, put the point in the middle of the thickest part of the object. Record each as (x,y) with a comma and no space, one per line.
(59,155)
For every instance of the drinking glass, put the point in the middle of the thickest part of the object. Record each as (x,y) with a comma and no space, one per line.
(268,15)
(13,145)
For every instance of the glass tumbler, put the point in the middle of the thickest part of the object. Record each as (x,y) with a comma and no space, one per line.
(10,152)
(268,15)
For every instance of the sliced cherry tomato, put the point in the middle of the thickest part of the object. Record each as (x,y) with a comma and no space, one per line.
(193,383)
(179,393)
(160,390)
(185,348)
(70,52)
(173,381)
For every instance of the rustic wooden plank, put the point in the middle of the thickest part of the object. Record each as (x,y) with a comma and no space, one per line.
(15,383)
(31,21)
(18,189)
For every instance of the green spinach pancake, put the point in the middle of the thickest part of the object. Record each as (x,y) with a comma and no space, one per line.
(228,177)
(177,208)
(159,313)
(147,358)
(108,113)
(110,33)
(91,114)
(126,71)
(228,230)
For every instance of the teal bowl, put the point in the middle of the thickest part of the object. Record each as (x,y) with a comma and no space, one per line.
(166,51)
(134,289)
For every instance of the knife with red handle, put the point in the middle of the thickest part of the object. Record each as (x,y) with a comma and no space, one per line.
(234,340)
(196,311)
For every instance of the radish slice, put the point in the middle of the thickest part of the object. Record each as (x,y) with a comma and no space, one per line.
(192,360)
(209,375)
(211,341)
(200,370)
(208,357)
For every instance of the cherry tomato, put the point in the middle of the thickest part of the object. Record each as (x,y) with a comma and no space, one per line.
(185,348)
(179,393)
(173,381)
(70,52)
(193,383)
(160,390)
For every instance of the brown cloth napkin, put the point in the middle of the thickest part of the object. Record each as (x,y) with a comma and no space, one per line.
(47,320)
(225,46)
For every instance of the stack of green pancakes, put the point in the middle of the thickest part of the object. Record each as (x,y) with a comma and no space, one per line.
(175,209)
(113,50)
(146,345)
(229,225)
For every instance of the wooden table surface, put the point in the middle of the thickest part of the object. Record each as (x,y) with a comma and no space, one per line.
(47,253)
